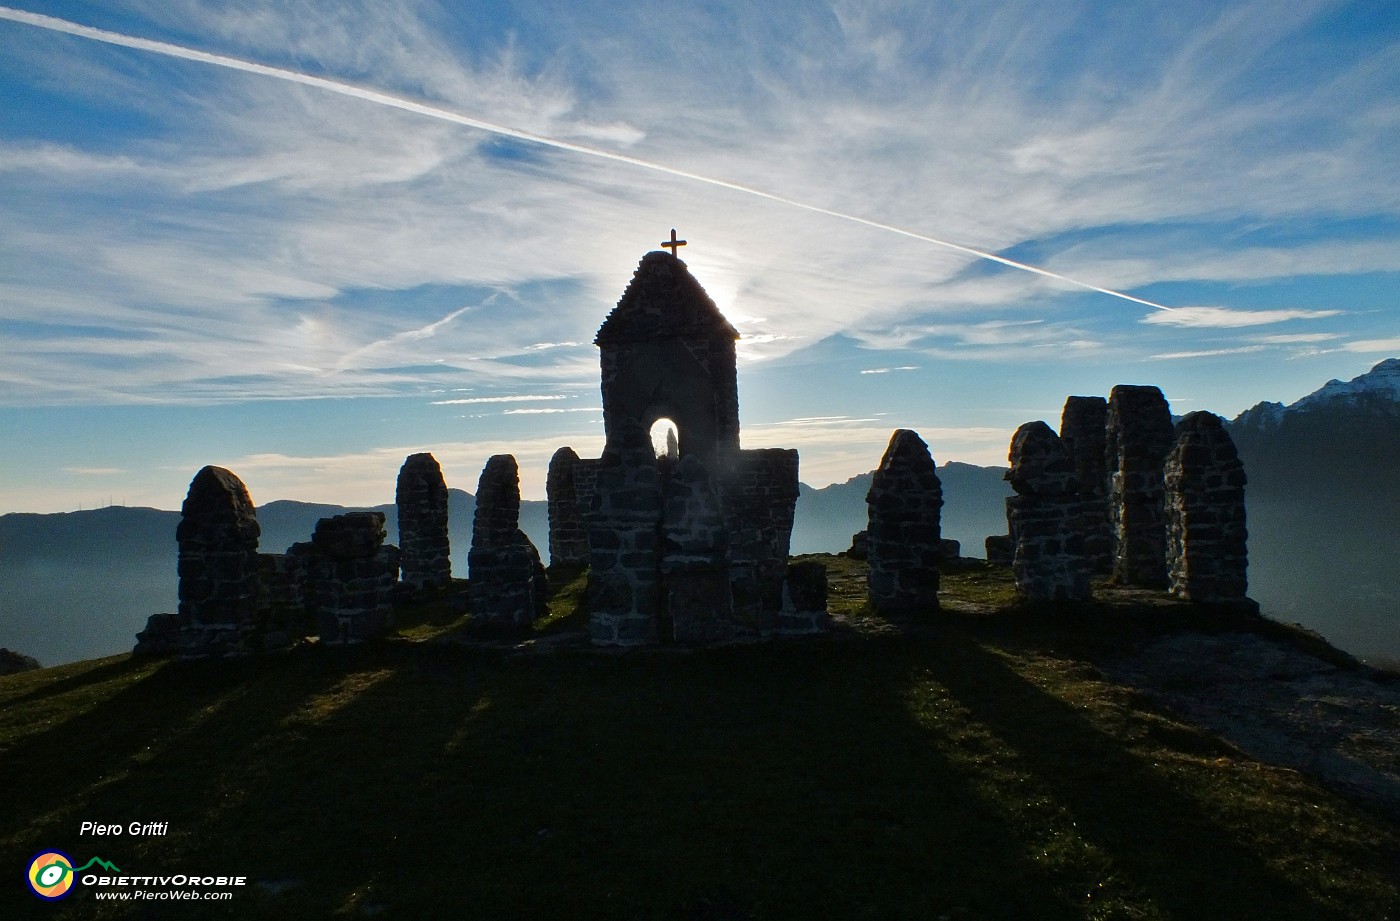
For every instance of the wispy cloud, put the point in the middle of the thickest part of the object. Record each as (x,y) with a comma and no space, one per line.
(1209,353)
(1376,346)
(1227,318)
(890,370)
(513,398)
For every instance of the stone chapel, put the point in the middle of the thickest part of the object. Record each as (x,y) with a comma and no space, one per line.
(690,548)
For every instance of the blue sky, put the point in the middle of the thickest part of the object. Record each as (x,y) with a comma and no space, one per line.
(305,283)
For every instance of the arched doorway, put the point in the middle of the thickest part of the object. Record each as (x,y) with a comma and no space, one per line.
(665,440)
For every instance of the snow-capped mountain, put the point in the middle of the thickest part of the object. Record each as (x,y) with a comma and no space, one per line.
(1375,393)
(1382,381)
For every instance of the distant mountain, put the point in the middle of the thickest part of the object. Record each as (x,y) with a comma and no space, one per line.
(1324,509)
(1342,440)
(973,508)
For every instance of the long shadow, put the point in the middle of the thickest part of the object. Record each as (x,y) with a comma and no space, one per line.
(98,675)
(740,783)
(143,754)
(1163,838)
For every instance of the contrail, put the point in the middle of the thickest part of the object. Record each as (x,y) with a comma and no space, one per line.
(398,102)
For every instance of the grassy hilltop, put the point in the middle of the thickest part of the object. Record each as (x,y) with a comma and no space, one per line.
(975,765)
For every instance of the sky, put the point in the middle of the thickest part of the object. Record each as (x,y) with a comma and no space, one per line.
(304,240)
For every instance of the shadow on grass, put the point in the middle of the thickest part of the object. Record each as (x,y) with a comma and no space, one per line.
(879,778)
(1158,834)
(119,667)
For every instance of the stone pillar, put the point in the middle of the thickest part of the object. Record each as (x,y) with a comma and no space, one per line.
(694,557)
(421,496)
(508,588)
(1139,435)
(904,505)
(568,534)
(350,577)
(1047,517)
(1204,479)
(218,563)
(1084,433)
(624,541)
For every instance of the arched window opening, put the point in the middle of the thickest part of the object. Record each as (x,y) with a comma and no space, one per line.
(665,440)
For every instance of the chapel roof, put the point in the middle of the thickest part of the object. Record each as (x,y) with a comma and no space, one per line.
(663,301)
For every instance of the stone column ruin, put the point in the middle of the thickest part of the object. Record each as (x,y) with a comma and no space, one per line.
(1205,513)
(1047,516)
(904,504)
(421,497)
(568,531)
(1139,435)
(218,563)
(350,577)
(508,587)
(1083,431)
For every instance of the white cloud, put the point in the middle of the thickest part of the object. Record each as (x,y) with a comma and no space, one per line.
(1228,318)
(513,398)
(1210,353)
(1391,346)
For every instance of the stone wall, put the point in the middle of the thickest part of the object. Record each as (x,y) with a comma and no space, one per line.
(1084,433)
(760,497)
(695,556)
(903,544)
(508,587)
(624,540)
(218,563)
(1205,527)
(568,529)
(350,577)
(421,496)
(1048,517)
(1139,435)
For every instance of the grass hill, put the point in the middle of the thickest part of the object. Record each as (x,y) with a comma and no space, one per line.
(976,763)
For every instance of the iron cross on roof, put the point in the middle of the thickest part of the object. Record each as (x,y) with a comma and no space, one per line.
(672,244)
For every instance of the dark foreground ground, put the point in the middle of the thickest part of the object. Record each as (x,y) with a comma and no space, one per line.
(986,761)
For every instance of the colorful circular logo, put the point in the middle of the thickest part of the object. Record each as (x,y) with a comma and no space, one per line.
(51,875)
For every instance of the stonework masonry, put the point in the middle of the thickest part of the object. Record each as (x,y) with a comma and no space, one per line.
(1084,432)
(568,530)
(695,564)
(694,548)
(1205,513)
(1139,435)
(350,577)
(1048,516)
(508,589)
(624,538)
(903,544)
(421,497)
(218,563)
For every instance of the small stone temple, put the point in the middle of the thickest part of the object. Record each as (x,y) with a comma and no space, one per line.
(690,548)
